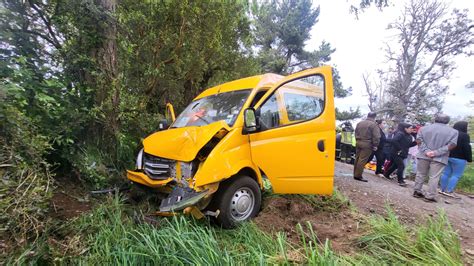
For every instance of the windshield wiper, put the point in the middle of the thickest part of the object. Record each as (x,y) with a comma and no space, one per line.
(202,118)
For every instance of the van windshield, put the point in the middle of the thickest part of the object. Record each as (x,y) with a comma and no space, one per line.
(223,106)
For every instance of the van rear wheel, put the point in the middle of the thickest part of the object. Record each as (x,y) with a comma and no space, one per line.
(238,200)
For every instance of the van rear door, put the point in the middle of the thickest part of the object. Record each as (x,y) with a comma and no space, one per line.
(295,143)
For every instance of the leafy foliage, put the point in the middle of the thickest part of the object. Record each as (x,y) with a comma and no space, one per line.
(351,114)
(281,29)
(81,81)
(26,178)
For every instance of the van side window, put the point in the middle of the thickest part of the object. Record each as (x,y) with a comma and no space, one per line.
(295,101)
(301,107)
(269,115)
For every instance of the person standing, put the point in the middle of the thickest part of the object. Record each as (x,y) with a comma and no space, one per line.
(379,153)
(346,142)
(367,135)
(387,149)
(412,152)
(401,142)
(434,143)
(458,158)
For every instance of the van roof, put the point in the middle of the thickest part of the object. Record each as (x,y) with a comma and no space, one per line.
(244,83)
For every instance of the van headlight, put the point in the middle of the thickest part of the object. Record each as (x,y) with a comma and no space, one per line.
(139,163)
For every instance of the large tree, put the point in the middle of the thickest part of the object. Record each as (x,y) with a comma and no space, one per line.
(281,29)
(422,60)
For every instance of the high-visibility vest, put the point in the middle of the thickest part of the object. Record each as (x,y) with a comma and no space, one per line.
(346,137)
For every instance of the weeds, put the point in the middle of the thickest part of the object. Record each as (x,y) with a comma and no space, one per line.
(112,237)
(333,203)
(109,235)
(390,242)
(466,182)
(26,181)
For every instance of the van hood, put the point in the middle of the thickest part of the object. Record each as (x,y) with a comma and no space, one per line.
(182,144)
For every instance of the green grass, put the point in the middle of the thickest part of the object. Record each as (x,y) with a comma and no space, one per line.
(334,203)
(113,234)
(466,182)
(390,242)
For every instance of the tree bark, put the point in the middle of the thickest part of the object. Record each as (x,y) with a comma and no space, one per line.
(108,91)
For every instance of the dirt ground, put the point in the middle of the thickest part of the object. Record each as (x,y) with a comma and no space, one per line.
(372,197)
(282,214)
(341,228)
(70,199)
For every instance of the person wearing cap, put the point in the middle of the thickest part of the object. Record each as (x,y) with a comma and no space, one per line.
(367,135)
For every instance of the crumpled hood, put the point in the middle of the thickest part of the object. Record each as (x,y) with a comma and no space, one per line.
(181,144)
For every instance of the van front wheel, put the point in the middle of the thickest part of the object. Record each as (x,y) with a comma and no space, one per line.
(237,200)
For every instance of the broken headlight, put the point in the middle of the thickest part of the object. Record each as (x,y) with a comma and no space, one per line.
(139,163)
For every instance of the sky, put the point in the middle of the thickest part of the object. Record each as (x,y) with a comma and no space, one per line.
(360,45)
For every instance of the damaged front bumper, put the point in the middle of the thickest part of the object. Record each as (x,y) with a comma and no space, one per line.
(142,178)
(181,198)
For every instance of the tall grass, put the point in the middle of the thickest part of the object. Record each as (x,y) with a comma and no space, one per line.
(466,182)
(390,242)
(114,235)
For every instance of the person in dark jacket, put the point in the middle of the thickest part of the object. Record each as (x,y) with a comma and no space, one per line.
(387,148)
(458,158)
(401,142)
(379,153)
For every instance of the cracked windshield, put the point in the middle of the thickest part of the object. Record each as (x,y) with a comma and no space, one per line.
(224,106)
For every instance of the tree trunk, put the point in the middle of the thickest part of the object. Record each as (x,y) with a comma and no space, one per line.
(108,89)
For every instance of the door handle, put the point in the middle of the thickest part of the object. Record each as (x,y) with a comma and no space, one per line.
(321,145)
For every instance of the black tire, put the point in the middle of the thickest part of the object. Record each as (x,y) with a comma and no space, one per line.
(246,190)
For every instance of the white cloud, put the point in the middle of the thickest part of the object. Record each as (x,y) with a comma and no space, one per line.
(360,48)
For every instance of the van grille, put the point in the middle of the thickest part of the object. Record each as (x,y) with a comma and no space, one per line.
(156,167)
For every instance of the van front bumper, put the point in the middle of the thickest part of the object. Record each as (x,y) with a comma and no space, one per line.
(141,178)
(181,198)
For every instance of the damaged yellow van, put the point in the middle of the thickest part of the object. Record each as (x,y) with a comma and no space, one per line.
(214,156)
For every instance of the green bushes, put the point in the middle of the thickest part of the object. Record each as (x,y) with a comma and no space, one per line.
(26,182)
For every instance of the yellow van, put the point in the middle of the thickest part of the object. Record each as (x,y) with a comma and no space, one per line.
(214,156)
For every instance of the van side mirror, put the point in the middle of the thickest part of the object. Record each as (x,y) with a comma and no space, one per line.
(250,120)
(163,124)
